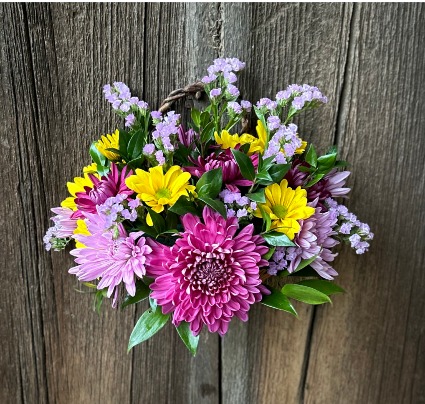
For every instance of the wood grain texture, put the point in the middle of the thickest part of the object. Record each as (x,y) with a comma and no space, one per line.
(55,59)
(369,347)
(265,360)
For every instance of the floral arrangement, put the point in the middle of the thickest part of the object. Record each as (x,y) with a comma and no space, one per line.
(202,221)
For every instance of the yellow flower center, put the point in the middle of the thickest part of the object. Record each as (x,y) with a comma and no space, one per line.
(280,211)
(163,193)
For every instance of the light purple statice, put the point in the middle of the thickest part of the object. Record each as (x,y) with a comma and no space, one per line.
(246,105)
(149,149)
(234,108)
(209,79)
(156,115)
(273,122)
(159,155)
(123,102)
(350,229)
(112,257)
(129,120)
(284,140)
(232,90)
(215,92)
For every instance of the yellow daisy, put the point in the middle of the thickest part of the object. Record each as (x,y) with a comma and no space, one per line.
(301,149)
(90,169)
(109,142)
(78,186)
(157,189)
(81,229)
(257,145)
(286,206)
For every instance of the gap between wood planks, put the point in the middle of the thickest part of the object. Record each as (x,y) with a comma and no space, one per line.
(341,120)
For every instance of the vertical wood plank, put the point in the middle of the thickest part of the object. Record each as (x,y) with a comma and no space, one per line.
(58,57)
(370,345)
(163,369)
(265,360)
(22,356)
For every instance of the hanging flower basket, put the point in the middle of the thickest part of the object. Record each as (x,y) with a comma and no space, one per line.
(203,219)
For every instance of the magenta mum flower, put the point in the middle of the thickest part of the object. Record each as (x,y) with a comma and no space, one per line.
(108,186)
(232,176)
(210,275)
(113,259)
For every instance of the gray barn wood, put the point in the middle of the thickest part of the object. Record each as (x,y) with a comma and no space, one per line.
(368,347)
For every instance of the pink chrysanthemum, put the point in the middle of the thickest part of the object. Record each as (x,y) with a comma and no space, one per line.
(111,258)
(210,274)
(108,186)
(64,223)
(232,176)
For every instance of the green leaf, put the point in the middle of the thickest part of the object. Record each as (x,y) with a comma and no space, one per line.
(267,163)
(260,116)
(158,221)
(257,196)
(244,148)
(277,239)
(266,218)
(102,170)
(123,139)
(311,156)
(278,171)
(148,324)
(209,184)
(96,155)
(142,292)
(136,163)
(341,163)
(308,271)
(205,118)
(183,206)
(278,301)
(214,204)
(98,300)
(187,337)
(196,117)
(326,162)
(153,303)
(269,253)
(245,164)
(305,263)
(305,294)
(315,180)
(264,178)
(207,132)
(326,287)
(135,145)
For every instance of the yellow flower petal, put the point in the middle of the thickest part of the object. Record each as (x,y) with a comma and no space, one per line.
(286,206)
(109,142)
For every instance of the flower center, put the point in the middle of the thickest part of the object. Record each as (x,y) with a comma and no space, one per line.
(280,211)
(163,193)
(210,273)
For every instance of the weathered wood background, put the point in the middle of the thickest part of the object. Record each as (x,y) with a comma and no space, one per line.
(369,347)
